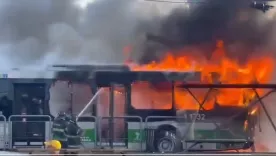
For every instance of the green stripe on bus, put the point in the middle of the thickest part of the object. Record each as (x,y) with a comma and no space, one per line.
(205,134)
(217,134)
(89,135)
(135,135)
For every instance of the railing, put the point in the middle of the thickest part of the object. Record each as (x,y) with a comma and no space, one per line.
(129,132)
(88,125)
(29,127)
(118,131)
(3,132)
(196,132)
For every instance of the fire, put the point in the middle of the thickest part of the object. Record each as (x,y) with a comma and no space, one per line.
(228,71)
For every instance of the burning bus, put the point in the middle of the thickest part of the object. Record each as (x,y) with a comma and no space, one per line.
(131,113)
(176,104)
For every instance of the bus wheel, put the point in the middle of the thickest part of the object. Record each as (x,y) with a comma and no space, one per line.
(167,142)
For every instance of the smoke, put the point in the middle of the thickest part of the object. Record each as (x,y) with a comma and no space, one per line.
(243,29)
(40,33)
(35,33)
(44,32)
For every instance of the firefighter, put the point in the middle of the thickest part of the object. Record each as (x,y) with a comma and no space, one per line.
(66,130)
(59,125)
(73,132)
(53,147)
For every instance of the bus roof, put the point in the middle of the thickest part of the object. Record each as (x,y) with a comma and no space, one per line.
(106,78)
(102,74)
(53,71)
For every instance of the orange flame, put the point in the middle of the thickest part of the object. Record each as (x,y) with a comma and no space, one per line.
(229,72)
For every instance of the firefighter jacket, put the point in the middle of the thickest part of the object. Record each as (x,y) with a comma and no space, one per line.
(58,130)
(73,133)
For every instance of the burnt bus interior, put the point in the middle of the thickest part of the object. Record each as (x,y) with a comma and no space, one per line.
(126,79)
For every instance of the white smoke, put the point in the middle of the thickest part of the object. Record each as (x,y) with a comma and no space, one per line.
(34,33)
(264,133)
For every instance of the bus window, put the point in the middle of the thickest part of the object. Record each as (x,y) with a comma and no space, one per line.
(151,96)
(184,100)
(119,102)
(29,96)
(66,97)
(103,108)
(6,106)
(81,95)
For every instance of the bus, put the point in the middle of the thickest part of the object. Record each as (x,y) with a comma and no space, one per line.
(136,110)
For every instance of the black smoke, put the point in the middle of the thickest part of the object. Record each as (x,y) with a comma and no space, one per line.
(232,21)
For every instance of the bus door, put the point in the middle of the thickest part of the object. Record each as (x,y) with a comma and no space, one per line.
(29,99)
(112,103)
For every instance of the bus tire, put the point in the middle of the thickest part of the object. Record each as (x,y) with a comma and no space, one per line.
(167,142)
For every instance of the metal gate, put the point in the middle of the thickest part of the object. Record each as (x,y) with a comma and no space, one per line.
(121,132)
(29,130)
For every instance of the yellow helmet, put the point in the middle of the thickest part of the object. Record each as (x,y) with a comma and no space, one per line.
(54,144)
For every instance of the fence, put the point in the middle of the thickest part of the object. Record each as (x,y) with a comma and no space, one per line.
(29,130)
(123,131)
(194,123)
(3,132)
(88,124)
(37,128)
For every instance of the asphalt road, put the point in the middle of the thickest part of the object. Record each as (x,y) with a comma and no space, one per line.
(26,152)
(140,154)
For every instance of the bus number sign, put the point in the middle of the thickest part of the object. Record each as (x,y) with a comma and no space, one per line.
(195,116)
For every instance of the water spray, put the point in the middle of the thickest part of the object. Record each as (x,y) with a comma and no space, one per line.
(90,102)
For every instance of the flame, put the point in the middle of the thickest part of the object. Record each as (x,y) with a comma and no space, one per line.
(229,71)
(254,111)
(245,126)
